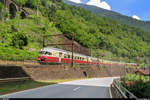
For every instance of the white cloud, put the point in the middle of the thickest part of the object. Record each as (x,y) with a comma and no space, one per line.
(99,3)
(75,1)
(136,17)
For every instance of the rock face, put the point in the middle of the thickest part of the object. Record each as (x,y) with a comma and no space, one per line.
(13,7)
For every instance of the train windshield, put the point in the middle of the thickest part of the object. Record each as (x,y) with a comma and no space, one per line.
(45,53)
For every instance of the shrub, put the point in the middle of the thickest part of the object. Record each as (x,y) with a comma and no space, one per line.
(19,40)
(140,86)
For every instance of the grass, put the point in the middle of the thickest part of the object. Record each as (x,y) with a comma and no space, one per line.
(11,53)
(11,87)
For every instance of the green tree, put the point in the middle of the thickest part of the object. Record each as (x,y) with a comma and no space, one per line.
(19,39)
(3,12)
(21,2)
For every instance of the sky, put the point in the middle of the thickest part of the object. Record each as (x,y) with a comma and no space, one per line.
(138,9)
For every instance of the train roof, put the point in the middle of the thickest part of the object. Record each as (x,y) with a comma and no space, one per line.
(60,50)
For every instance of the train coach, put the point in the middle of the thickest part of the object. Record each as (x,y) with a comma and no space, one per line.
(55,55)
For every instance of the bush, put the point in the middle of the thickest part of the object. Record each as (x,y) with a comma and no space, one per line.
(140,89)
(19,40)
(140,86)
(32,3)
(101,67)
(21,2)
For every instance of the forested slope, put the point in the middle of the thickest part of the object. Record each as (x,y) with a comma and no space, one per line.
(114,15)
(101,33)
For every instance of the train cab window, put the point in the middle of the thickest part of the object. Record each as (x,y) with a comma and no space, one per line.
(42,52)
(48,53)
(45,53)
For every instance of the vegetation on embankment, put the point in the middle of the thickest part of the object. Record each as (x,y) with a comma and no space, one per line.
(11,87)
(21,39)
(106,38)
(139,85)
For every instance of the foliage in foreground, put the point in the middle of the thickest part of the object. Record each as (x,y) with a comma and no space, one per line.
(140,86)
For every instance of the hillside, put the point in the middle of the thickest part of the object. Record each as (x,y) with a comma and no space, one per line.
(145,25)
(108,39)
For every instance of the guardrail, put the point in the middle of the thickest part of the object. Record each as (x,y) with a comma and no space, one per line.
(120,91)
(14,79)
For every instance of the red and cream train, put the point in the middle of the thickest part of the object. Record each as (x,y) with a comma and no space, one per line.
(55,55)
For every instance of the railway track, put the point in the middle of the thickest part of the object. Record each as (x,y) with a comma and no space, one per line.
(3,62)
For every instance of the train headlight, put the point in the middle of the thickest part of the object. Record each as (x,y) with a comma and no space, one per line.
(42,59)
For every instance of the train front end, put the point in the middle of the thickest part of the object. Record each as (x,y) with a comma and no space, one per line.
(43,56)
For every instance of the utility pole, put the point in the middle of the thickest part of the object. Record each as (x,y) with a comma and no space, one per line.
(91,52)
(72,49)
(72,44)
(149,73)
(43,41)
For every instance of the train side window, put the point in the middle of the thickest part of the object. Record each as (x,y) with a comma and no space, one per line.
(76,57)
(82,58)
(65,56)
(68,56)
(42,52)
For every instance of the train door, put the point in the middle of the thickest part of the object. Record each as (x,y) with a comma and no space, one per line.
(60,56)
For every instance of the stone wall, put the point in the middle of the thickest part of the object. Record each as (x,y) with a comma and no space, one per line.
(48,72)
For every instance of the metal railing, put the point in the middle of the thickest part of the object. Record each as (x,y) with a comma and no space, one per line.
(14,79)
(120,91)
